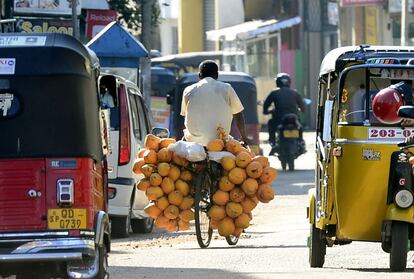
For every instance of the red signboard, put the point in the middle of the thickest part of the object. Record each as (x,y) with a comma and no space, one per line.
(96,20)
(360,2)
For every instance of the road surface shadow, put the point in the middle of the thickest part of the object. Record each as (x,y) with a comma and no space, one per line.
(143,272)
(250,247)
(294,182)
(385,270)
(156,234)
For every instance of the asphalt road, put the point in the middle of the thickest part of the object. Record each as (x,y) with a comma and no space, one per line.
(274,246)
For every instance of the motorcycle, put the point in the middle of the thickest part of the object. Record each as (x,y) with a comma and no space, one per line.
(289,141)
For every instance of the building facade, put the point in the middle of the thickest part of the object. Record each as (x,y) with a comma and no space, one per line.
(263,38)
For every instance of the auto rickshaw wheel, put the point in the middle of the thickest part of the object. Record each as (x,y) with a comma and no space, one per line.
(99,262)
(398,252)
(317,248)
(120,226)
(103,264)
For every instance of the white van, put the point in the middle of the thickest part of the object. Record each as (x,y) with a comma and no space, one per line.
(129,124)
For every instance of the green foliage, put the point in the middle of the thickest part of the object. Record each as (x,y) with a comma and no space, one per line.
(130,13)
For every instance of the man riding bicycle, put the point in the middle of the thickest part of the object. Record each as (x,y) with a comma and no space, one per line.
(208,104)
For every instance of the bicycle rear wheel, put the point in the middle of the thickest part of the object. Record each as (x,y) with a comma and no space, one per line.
(201,206)
(232,240)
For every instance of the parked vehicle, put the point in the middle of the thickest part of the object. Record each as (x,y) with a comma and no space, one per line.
(163,86)
(245,87)
(363,181)
(186,62)
(53,170)
(129,124)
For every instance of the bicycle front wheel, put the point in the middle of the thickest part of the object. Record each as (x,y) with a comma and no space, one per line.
(201,206)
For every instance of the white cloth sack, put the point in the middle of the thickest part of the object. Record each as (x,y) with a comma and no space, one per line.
(217,156)
(192,151)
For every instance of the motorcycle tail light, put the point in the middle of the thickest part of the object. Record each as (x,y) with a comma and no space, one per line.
(65,192)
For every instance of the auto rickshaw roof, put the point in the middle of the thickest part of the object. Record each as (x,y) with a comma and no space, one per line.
(337,58)
(157,70)
(51,80)
(189,58)
(223,76)
(58,47)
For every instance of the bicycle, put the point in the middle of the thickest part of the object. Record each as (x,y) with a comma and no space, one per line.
(206,184)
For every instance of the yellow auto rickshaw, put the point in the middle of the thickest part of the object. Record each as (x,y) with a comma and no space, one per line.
(364,181)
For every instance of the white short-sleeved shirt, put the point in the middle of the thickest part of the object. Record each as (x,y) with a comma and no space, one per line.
(206,105)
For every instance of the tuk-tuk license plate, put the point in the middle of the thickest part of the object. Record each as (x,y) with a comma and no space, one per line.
(66,218)
(291,133)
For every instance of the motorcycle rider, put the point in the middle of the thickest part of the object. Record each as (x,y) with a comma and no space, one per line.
(285,101)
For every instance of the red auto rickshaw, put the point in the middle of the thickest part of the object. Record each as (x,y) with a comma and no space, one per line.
(53,176)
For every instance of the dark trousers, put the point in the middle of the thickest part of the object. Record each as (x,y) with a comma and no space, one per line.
(272,129)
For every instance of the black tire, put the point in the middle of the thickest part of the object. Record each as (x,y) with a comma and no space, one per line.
(142,225)
(103,264)
(232,240)
(120,226)
(398,252)
(201,206)
(291,162)
(317,248)
(283,162)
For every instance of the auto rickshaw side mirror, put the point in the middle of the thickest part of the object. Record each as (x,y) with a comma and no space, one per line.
(406,112)
(160,132)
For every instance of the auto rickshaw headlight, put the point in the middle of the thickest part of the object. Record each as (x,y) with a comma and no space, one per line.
(403,199)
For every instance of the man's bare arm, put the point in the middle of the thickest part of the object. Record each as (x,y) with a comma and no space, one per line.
(241,126)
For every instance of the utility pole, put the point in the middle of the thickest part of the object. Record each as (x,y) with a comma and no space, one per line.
(146,6)
(404,22)
(145,64)
(75,19)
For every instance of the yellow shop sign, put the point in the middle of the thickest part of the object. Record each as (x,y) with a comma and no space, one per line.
(45,26)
